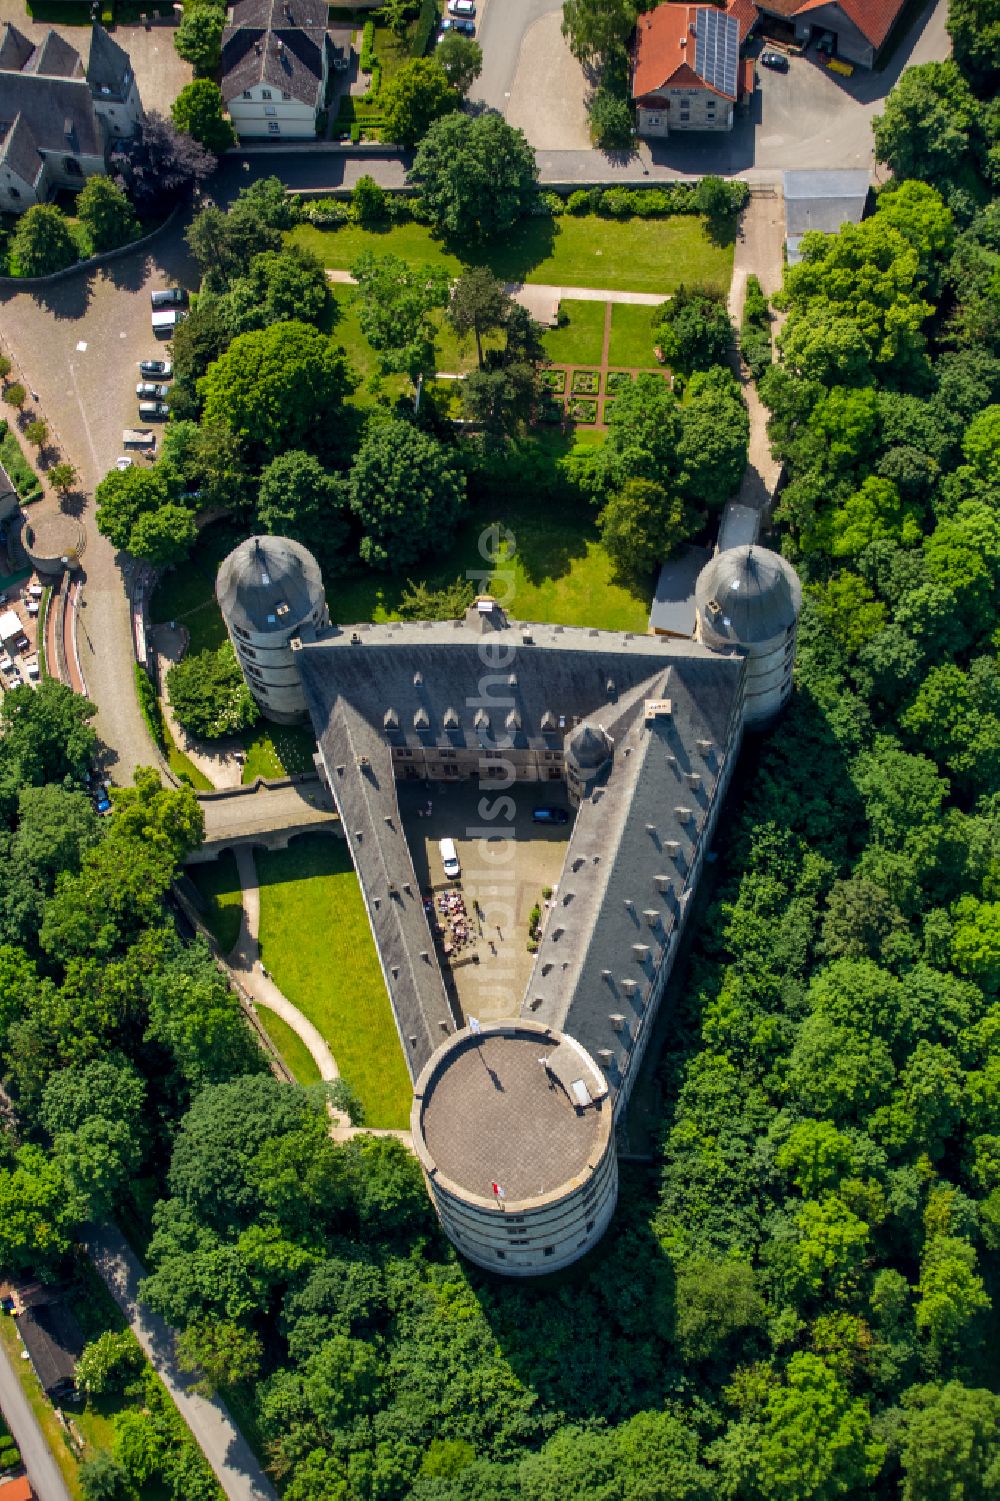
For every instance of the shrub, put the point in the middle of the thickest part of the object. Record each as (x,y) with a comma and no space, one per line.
(10,1458)
(368,201)
(209,696)
(617,203)
(23,477)
(578,202)
(328,211)
(149,706)
(755,331)
(551,203)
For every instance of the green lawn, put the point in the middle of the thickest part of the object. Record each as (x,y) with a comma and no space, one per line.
(315,940)
(632,335)
(275,750)
(187,594)
(561,573)
(639,255)
(580,340)
(452,356)
(291,1047)
(219,885)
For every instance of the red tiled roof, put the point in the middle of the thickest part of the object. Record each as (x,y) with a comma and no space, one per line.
(17,1490)
(873,18)
(664,46)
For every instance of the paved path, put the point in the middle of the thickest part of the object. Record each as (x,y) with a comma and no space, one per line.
(244,960)
(544,291)
(759,251)
(232,1460)
(39,1461)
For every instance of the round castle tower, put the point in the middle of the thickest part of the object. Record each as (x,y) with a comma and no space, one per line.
(269,590)
(750,598)
(514,1130)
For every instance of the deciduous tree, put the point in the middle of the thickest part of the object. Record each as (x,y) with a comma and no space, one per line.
(413,98)
(197,110)
(407,492)
(476,174)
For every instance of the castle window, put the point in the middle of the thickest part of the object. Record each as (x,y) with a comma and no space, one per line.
(548,1250)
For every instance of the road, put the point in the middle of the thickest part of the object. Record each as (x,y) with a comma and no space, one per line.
(77,343)
(500,29)
(43,1472)
(221,1442)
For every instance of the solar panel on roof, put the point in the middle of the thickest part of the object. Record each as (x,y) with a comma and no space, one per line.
(717,50)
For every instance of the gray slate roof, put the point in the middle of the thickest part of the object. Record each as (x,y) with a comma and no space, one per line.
(15,48)
(823,201)
(740,525)
(109,66)
(435,671)
(18,150)
(54,1341)
(673,603)
(281,45)
(759,594)
(54,58)
(262,574)
(620,887)
(44,94)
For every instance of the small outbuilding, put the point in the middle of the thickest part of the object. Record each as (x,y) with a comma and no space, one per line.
(824,201)
(54,1342)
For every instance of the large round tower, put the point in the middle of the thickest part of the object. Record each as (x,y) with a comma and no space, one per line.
(514,1129)
(750,598)
(269,589)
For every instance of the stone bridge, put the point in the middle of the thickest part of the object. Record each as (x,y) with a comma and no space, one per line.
(264,814)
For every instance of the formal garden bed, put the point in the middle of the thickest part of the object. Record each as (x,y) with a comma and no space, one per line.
(617,380)
(582,409)
(554,380)
(586,382)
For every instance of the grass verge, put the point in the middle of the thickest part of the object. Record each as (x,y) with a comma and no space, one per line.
(315,940)
(274,750)
(218,882)
(291,1047)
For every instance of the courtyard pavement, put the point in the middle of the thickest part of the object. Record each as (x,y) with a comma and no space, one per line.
(505,875)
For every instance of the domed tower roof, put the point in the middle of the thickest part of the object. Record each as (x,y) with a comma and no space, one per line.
(748,595)
(587,749)
(268,584)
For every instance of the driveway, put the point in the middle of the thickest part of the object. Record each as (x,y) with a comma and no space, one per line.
(549,90)
(159,72)
(77,344)
(43,1472)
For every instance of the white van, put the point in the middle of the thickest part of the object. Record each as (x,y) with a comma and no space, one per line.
(449,859)
(164,323)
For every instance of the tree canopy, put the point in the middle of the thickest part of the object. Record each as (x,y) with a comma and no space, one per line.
(476,175)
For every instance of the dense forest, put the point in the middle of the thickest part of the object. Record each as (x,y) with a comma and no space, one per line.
(797,1302)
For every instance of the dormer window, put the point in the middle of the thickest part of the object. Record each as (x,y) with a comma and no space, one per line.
(548,723)
(482,720)
(420,720)
(451,720)
(390,720)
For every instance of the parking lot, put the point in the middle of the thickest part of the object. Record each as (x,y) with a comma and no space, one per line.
(506,863)
(20,607)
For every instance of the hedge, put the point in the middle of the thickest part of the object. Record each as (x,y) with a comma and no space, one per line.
(23,477)
(425,27)
(149,706)
(755,330)
(367,60)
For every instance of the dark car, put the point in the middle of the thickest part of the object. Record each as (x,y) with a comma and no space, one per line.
(156,369)
(165,297)
(549,815)
(776,60)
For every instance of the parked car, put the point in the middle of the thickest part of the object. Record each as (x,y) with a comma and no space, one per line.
(452,23)
(101,800)
(32,669)
(449,859)
(152,390)
(157,409)
(776,60)
(124,462)
(166,320)
(22,643)
(156,369)
(6,663)
(461,7)
(549,815)
(164,297)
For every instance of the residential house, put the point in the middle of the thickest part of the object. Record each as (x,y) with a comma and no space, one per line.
(687,71)
(57,118)
(858,29)
(276,58)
